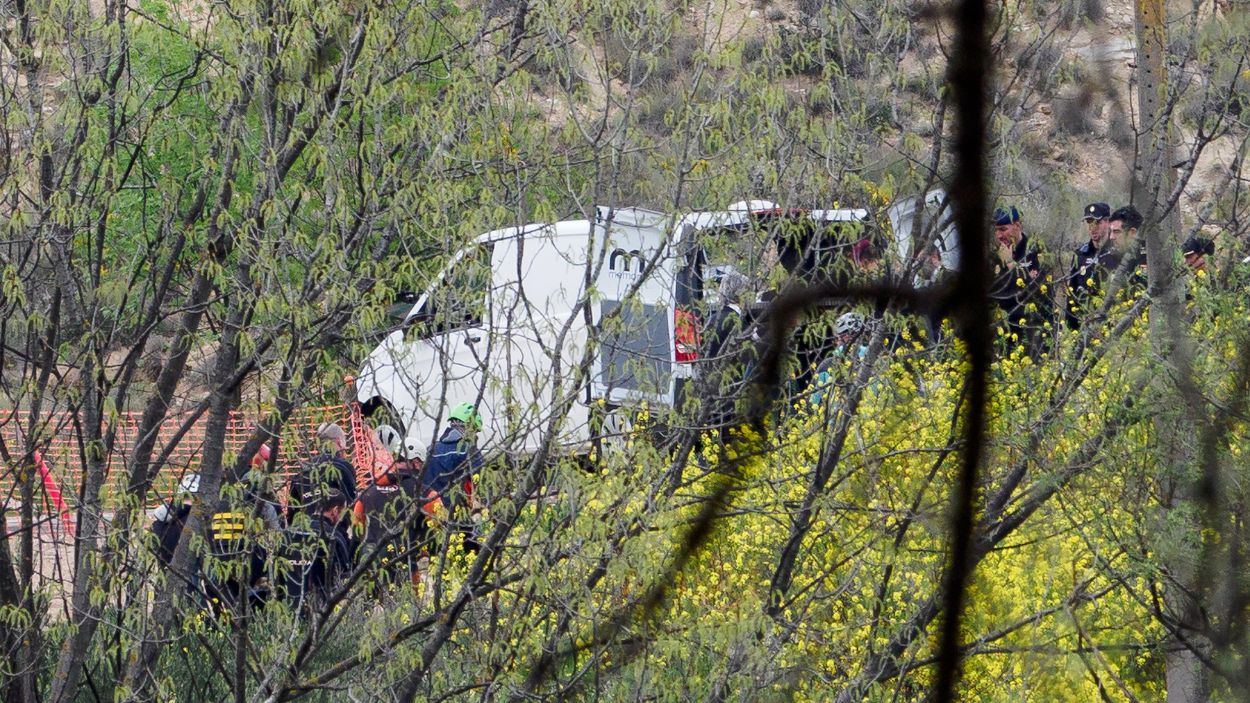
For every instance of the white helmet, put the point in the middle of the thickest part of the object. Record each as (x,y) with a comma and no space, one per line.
(849,323)
(189,484)
(411,450)
(389,437)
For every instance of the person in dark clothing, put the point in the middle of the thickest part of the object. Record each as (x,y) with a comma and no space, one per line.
(726,352)
(933,276)
(237,562)
(1020,285)
(315,554)
(451,463)
(386,514)
(331,468)
(1196,250)
(259,490)
(728,320)
(1089,266)
(1123,231)
(170,519)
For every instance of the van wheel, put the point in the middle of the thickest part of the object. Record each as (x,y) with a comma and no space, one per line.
(380,412)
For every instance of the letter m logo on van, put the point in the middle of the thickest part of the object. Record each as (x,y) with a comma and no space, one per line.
(620,260)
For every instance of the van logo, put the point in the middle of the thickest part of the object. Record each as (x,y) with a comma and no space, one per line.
(620,258)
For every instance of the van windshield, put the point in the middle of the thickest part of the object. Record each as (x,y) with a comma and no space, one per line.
(459,299)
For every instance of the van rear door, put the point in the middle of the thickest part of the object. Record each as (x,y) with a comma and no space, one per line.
(633,311)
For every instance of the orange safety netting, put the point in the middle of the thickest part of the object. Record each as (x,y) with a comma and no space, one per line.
(60,455)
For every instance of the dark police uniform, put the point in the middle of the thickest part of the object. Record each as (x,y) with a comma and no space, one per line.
(1089,268)
(238,559)
(314,559)
(168,533)
(1018,292)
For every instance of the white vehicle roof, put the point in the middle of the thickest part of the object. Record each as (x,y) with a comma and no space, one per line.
(742,212)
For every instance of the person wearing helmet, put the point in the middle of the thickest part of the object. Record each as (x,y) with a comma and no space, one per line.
(849,335)
(169,519)
(389,438)
(847,327)
(451,463)
(386,512)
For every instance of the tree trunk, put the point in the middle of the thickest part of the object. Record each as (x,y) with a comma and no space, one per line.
(1153,179)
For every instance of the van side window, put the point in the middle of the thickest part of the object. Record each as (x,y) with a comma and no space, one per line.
(459,301)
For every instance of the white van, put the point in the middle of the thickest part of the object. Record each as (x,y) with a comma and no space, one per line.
(927,219)
(508,322)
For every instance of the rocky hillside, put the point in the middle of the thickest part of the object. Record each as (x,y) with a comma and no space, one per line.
(1065,105)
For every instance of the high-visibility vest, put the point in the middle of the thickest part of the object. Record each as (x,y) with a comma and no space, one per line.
(229,530)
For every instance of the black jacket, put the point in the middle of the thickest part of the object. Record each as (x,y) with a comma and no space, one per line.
(168,531)
(313,561)
(387,508)
(1022,292)
(324,469)
(1089,268)
(725,361)
(724,327)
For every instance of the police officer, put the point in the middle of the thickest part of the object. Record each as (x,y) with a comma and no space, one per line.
(1088,266)
(315,555)
(238,559)
(1019,286)
(1196,250)
(1123,229)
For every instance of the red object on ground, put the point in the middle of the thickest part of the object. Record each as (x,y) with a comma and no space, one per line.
(54,493)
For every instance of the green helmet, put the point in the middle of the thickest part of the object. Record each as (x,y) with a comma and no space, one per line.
(466,413)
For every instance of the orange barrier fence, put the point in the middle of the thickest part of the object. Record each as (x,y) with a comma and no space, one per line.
(60,454)
(369,456)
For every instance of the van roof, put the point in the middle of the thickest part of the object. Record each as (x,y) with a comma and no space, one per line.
(738,214)
(624,216)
